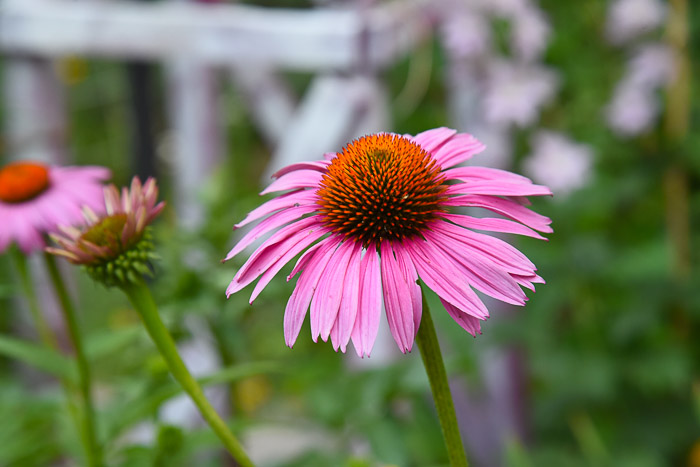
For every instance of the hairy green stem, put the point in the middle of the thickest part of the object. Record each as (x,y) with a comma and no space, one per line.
(432,360)
(94,454)
(142,300)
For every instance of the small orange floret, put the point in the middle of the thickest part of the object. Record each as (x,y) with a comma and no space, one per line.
(22,181)
(379,187)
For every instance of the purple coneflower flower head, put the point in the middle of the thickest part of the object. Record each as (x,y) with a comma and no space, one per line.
(375,218)
(115,247)
(35,198)
(558,162)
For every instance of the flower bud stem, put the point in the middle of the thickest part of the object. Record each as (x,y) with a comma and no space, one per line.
(142,300)
(434,367)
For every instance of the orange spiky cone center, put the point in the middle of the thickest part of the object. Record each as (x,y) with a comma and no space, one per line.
(381,187)
(23,181)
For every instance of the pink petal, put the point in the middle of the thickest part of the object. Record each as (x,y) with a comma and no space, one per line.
(275,221)
(458,149)
(495,249)
(441,274)
(300,299)
(504,207)
(469,323)
(480,274)
(370,304)
(471,173)
(295,180)
(492,224)
(411,277)
(498,188)
(271,251)
(350,301)
(296,245)
(326,300)
(300,197)
(432,139)
(397,300)
(319,166)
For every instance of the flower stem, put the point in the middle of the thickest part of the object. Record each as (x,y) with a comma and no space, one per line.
(89,431)
(432,360)
(42,327)
(142,300)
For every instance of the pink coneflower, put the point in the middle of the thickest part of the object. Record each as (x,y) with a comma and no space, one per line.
(35,198)
(115,246)
(375,218)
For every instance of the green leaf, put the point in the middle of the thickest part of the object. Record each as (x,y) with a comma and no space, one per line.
(146,404)
(40,357)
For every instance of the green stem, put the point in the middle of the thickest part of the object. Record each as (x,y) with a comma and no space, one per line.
(42,327)
(432,360)
(94,455)
(142,300)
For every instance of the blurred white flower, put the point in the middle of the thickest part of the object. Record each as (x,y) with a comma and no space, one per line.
(466,33)
(630,18)
(559,162)
(515,93)
(529,34)
(633,109)
(651,65)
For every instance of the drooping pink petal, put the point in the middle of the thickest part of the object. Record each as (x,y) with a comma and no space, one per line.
(492,224)
(495,249)
(442,276)
(397,300)
(370,305)
(300,299)
(411,277)
(347,314)
(480,274)
(504,207)
(295,180)
(468,322)
(300,197)
(314,233)
(271,251)
(275,221)
(326,300)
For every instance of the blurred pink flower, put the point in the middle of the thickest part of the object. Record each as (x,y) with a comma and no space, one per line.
(628,19)
(529,34)
(635,103)
(515,93)
(558,162)
(633,109)
(503,8)
(375,218)
(651,65)
(36,198)
(466,33)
